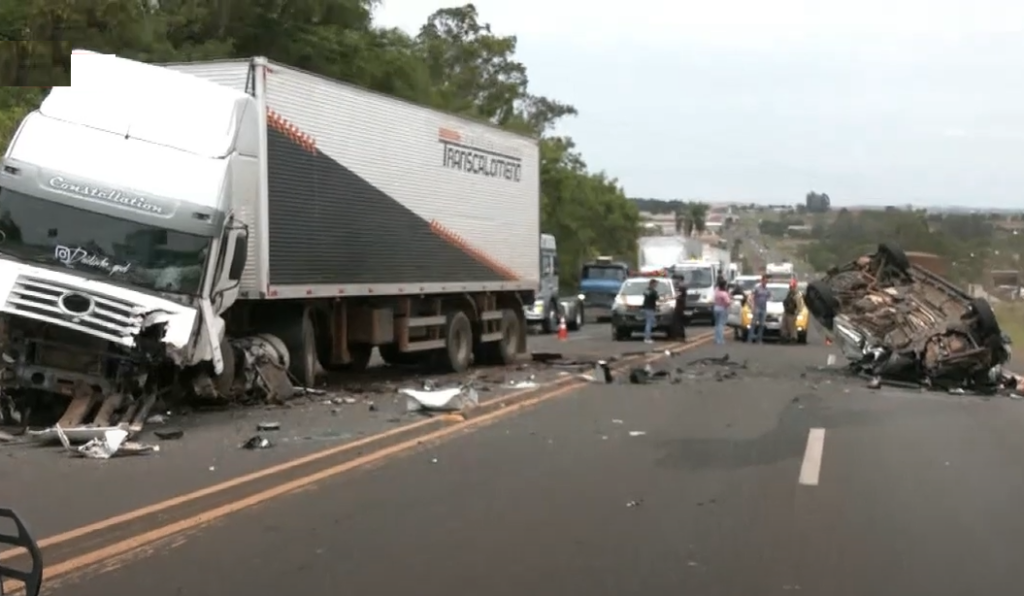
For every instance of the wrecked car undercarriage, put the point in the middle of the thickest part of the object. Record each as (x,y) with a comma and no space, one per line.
(896,320)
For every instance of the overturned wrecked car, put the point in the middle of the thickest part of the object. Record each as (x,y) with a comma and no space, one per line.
(898,320)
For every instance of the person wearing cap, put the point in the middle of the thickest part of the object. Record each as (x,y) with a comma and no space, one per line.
(792,304)
(759,298)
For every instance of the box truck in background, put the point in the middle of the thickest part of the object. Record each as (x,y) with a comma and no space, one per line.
(211,223)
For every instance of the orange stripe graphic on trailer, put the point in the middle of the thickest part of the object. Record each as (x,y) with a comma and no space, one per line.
(283,126)
(462,244)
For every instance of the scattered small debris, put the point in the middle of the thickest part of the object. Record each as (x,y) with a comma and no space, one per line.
(433,460)
(636,503)
(170,434)
(7,437)
(637,433)
(875,383)
(616,421)
(268,426)
(257,442)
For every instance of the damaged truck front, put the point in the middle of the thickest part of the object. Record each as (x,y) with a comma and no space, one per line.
(895,319)
(226,230)
(117,245)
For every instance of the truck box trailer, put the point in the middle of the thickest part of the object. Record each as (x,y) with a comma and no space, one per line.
(366,194)
(228,219)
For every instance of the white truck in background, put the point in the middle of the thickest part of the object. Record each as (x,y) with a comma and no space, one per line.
(783,269)
(208,226)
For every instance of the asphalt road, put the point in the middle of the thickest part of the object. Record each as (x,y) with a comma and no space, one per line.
(38,481)
(779,477)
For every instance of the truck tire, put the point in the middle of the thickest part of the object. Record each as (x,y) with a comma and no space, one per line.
(295,329)
(550,323)
(225,381)
(458,348)
(577,318)
(503,351)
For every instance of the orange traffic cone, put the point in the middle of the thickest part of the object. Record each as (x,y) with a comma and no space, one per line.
(563,331)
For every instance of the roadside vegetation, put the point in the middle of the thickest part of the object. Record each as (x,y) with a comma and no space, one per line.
(455,62)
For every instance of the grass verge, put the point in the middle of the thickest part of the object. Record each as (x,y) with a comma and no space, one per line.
(1011,321)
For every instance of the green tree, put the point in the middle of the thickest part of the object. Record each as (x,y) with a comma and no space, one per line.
(454,63)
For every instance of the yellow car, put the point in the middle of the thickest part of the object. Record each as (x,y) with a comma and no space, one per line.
(773,320)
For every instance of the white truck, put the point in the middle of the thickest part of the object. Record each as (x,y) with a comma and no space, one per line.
(207,226)
(783,269)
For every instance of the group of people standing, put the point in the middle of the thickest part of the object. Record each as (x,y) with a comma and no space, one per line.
(759,298)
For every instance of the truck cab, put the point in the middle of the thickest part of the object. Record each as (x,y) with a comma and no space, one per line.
(700,278)
(547,309)
(600,281)
(118,246)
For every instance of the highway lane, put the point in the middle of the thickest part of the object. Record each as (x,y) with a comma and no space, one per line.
(40,481)
(779,478)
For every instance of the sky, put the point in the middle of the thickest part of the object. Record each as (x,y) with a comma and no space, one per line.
(873,101)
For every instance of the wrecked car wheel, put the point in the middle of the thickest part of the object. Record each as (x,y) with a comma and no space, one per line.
(458,342)
(821,302)
(985,318)
(894,256)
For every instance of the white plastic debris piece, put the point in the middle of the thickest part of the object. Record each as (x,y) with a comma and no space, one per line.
(637,433)
(616,421)
(831,360)
(105,447)
(74,435)
(441,400)
(522,384)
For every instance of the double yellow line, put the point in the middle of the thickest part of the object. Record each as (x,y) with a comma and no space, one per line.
(135,543)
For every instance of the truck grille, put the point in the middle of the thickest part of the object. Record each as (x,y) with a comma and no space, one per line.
(110,318)
(601,299)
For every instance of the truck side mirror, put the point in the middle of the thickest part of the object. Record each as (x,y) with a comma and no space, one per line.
(239,255)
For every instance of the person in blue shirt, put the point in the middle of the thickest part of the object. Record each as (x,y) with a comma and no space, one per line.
(650,309)
(759,297)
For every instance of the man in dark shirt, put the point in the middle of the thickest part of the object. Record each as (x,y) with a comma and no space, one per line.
(650,309)
(679,314)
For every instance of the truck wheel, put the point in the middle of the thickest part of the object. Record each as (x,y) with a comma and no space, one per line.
(225,381)
(458,342)
(577,319)
(299,337)
(550,324)
(504,350)
(620,334)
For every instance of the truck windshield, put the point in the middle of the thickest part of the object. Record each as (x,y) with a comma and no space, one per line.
(598,272)
(698,277)
(100,246)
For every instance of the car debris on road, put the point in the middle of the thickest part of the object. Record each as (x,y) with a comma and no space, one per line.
(898,321)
